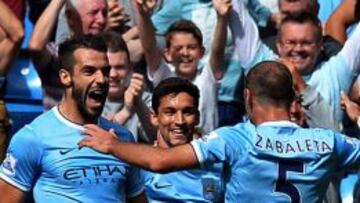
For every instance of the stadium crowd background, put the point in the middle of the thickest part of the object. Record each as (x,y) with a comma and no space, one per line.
(31,31)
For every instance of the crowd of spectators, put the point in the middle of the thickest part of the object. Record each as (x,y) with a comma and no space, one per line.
(212,43)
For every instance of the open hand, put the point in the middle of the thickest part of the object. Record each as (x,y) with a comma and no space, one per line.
(98,139)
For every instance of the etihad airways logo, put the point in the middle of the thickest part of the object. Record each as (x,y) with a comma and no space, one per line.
(95,171)
(96,174)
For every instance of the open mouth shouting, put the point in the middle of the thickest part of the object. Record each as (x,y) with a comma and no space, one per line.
(96,98)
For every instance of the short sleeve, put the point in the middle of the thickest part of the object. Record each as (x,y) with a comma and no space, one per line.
(22,161)
(210,149)
(348,151)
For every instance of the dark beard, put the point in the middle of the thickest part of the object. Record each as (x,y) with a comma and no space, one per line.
(79,96)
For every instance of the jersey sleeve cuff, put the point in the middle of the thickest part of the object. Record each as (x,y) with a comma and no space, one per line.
(13,183)
(197,150)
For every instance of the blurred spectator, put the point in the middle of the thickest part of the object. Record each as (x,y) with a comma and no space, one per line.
(11,35)
(127,102)
(124,12)
(296,7)
(299,41)
(203,14)
(184,49)
(309,109)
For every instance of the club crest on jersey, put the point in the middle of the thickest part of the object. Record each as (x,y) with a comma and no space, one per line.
(9,165)
(211,188)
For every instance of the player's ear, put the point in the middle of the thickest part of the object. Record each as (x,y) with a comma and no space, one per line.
(247,95)
(154,118)
(65,77)
(248,101)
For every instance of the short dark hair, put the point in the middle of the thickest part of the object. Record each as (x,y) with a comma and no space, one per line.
(272,84)
(312,7)
(302,18)
(174,85)
(183,26)
(68,47)
(115,42)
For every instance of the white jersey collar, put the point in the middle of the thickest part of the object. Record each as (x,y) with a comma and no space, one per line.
(281,123)
(68,123)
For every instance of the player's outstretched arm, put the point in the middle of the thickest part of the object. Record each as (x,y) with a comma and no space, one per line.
(145,156)
(9,193)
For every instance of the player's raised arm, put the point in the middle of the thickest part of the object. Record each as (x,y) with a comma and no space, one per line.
(147,33)
(144,156)
(217,57)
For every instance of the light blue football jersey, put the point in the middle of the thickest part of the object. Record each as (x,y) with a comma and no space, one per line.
(197,185)
(44,156)
(277,161)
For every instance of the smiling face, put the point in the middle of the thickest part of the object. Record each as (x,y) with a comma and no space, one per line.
(90,81)
(120,73)
(299,43)
(184,52)
(176,118)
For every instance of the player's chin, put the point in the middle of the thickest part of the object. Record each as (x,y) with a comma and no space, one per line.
(176,142)
(179,139)
(94,113)
(94,110)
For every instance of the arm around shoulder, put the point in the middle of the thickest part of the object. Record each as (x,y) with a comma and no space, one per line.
(141,155)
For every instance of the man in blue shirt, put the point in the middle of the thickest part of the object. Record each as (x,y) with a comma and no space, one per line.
(267,159)
(175,112)
(43,156)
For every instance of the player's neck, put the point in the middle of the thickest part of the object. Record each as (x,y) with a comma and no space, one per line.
(68,109)
(261,115)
